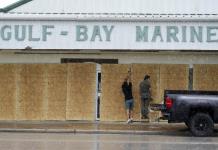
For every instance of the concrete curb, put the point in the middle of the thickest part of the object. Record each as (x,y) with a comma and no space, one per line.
(76,131)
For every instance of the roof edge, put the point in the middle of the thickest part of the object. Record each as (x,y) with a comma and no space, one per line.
(109,17)
(14,5)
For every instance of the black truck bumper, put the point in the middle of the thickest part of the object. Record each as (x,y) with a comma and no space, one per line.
(162,108)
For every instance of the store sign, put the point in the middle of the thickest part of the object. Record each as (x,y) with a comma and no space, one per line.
(109,35)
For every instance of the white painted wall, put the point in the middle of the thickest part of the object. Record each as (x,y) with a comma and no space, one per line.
(124,58)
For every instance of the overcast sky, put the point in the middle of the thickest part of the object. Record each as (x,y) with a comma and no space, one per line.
(4,3)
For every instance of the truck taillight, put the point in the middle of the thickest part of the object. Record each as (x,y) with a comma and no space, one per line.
(169,102)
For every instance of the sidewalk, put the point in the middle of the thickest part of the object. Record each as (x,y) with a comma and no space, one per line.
(96,127)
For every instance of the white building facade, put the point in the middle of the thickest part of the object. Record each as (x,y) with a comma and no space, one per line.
(152,31)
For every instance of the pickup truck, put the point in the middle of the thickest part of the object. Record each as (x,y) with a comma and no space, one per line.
(197,109)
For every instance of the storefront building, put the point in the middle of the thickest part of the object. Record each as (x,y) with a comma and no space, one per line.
(58,42)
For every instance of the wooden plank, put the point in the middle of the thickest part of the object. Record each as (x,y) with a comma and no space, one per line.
(56,91)
(138,73)
(205,77)
(7,92)
(81,93)
(30,95)
(112,106)
(173,77)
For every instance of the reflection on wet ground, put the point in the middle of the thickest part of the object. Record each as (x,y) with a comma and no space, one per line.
(67,141)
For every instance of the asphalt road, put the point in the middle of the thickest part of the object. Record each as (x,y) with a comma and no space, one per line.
(69,141)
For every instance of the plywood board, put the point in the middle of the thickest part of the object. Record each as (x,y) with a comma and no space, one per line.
(173,77)
(112,106)
(7,92)
(81,91)
(205,77)
(138,73)
(30,94)
(56,75)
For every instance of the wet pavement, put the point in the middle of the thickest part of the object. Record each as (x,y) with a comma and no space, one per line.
(95,135)
(70,141)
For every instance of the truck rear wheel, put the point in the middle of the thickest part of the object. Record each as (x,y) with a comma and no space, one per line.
(201,124)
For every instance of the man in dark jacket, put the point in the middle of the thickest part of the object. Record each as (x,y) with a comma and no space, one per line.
(145,96)
(129,103)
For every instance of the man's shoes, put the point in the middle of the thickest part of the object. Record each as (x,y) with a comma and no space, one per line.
(130,121)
